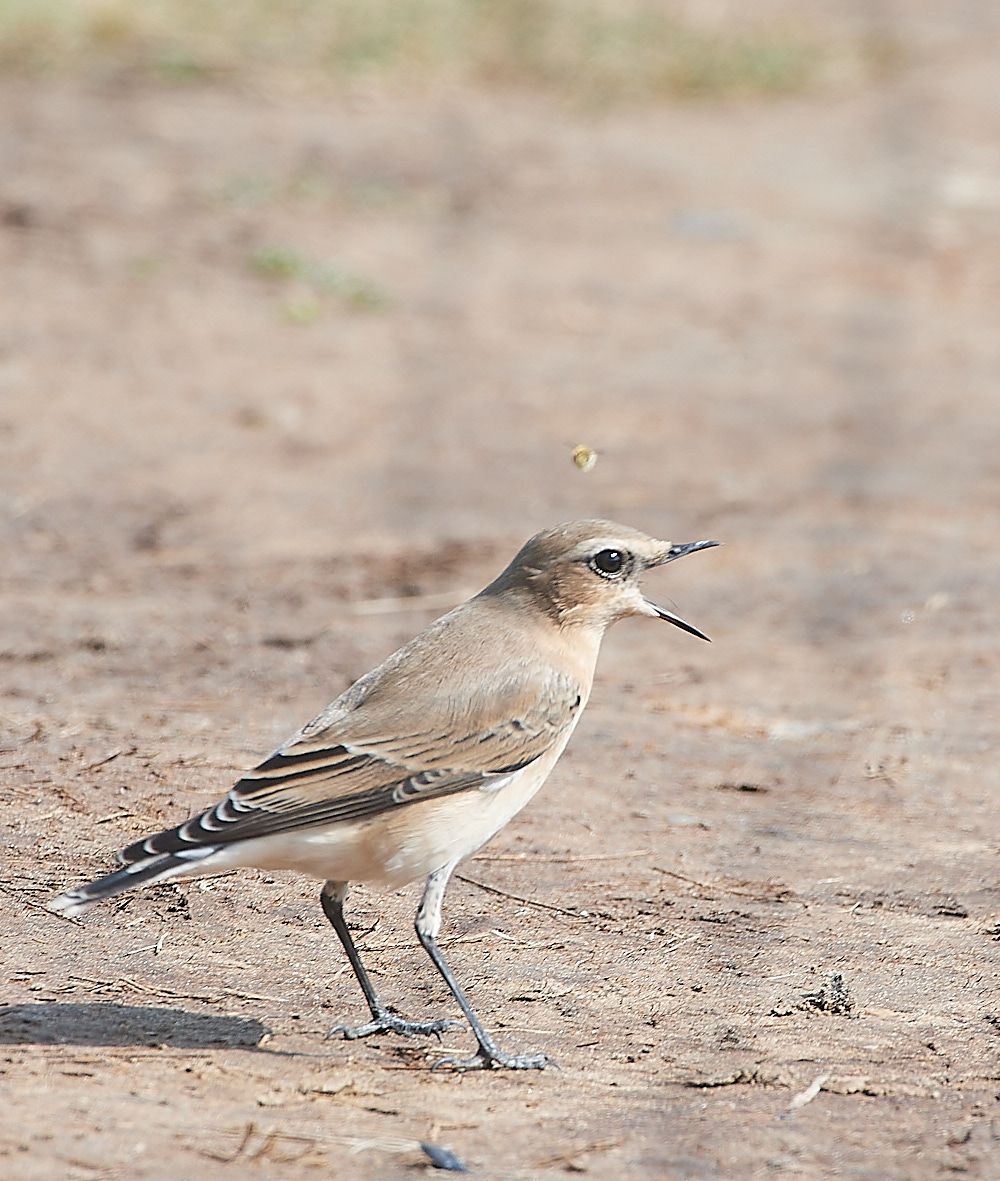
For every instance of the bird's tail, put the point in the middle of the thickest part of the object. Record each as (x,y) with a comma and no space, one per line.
(152,869)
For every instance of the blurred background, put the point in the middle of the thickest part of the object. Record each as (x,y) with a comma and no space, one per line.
(309,290)
(305,306)
(276,277)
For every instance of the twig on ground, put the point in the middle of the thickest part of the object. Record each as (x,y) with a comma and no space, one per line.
(564,859)
(776,895)
(810,1093)
(518,897)
(107,759)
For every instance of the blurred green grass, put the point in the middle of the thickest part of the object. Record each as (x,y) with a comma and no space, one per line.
(597,50)
(355,292)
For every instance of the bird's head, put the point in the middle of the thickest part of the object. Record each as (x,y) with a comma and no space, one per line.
(587,573)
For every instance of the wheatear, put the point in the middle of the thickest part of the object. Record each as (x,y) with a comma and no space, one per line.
(423,760)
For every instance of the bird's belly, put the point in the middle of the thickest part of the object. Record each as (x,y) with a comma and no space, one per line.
(425,837)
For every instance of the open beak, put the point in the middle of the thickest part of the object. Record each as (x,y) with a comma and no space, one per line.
(679,551)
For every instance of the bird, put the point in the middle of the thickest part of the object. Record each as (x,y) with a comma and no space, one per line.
(425,758)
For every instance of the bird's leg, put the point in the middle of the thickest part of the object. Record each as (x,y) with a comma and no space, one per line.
(428,924)
(332,900)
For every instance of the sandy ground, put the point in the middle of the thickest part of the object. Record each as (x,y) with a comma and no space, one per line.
(765,942)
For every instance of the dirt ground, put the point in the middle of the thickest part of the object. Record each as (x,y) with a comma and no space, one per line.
(767,944)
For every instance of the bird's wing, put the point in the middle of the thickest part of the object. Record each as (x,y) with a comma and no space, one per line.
(379,750)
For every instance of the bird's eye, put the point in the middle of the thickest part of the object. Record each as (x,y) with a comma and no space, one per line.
(608,562)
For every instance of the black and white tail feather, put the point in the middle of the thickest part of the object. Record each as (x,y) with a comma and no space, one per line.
(140,873)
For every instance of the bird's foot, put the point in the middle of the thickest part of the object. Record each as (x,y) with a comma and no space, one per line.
(385,1022)
(490,1056)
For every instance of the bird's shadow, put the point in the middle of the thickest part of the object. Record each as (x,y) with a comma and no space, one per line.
(109,1024)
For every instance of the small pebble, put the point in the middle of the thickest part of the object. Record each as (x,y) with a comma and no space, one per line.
(443,1158)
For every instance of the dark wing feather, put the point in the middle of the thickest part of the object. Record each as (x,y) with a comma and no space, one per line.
(236,819)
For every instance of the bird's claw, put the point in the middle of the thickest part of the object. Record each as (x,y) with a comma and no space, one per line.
(386,1022)
(491,1057)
